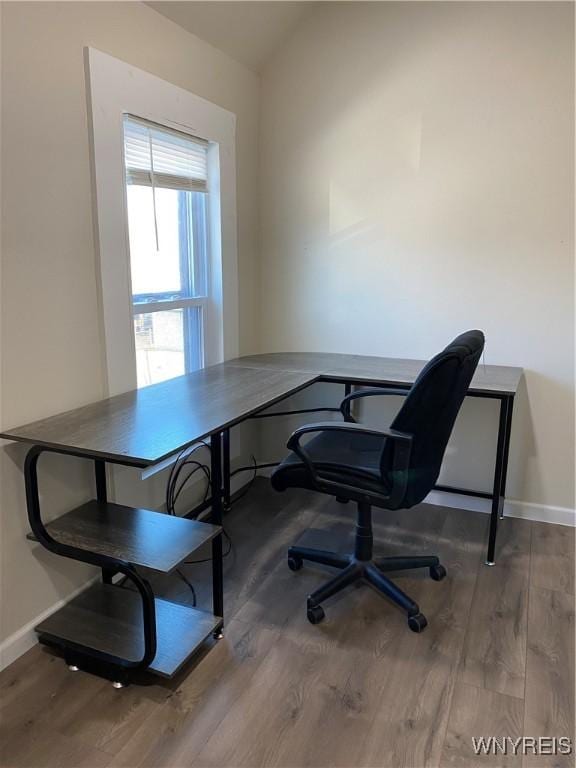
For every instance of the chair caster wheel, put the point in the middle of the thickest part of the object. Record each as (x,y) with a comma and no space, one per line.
(417,622)
(294,563)
(437,572)
(316,614)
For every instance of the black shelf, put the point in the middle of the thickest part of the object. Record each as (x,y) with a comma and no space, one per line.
(142,537)
(110,630)
(108,619)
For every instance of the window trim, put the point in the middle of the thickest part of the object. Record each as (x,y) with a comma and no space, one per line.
(115,90)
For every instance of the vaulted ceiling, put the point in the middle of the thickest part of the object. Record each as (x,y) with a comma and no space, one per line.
(247,31)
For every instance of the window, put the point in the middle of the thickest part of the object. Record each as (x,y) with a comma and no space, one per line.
(178,142)
(166,192)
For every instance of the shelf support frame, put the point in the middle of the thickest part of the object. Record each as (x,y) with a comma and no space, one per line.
(105,562)
(216,444)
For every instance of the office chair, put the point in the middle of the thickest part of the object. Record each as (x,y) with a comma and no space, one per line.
(393,468)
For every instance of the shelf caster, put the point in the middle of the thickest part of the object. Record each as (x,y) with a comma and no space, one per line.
(73,668)
(218,634)
(118,684)
(417,622)
(315,614)
(294,562)
(437,572)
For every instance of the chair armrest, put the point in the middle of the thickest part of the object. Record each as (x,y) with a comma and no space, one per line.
(371,392)
(400,462)
(346,426)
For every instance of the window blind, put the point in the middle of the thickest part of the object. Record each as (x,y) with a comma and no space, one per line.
(161,157)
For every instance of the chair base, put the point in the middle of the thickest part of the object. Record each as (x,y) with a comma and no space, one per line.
(352,569)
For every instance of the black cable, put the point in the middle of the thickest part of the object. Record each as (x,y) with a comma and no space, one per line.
(187,462)
(208,559)
(185,580)
(224,531)
(183,460)
(172,497)
(170,476)
(185,454)
(196,562)
(249,485)
(251,468)
(198,467)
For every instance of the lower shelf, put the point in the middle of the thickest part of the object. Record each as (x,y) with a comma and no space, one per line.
(109,619)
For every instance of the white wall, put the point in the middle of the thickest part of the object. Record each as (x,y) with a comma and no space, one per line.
(51,342)
(417,164)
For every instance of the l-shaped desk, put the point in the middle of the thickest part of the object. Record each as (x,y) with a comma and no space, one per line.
(112,630)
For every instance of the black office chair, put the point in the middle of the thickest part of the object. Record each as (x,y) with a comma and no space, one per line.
(392,468)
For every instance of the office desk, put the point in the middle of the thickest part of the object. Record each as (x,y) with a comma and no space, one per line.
(144,427)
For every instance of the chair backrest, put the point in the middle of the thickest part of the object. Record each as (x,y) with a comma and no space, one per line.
(430,409)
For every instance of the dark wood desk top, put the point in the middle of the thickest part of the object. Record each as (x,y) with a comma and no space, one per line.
(497,379)
(145,426)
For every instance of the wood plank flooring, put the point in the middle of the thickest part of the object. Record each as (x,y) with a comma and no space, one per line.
(359,690)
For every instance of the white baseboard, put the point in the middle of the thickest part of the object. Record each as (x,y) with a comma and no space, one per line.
(25,638)
(525,510)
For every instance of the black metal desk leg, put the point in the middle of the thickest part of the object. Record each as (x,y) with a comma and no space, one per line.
(226,469)
(100,475)
(498,477)
(102,495)
(509,408)
(216,519)
(348,391)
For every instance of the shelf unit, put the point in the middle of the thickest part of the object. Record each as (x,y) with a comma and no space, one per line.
(111,629)
(108,618)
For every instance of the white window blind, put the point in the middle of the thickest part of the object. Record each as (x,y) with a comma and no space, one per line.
(161,157)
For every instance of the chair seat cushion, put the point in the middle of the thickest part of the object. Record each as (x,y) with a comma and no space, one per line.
(350,458)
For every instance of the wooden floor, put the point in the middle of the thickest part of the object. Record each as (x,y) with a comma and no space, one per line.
(497,658)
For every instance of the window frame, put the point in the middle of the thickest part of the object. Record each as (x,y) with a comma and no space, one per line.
(117,89)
